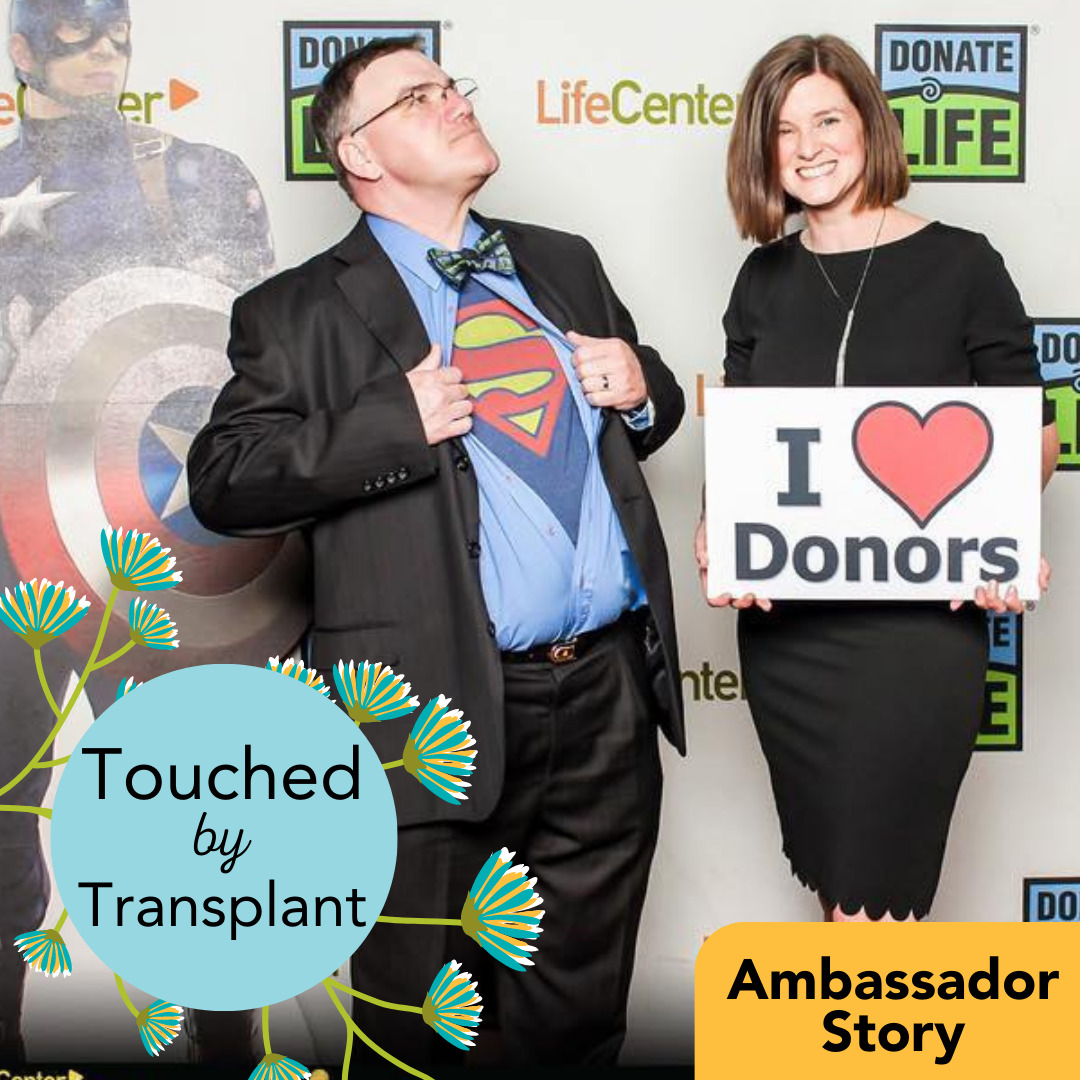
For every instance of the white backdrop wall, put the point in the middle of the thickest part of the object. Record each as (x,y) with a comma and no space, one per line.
(651,197)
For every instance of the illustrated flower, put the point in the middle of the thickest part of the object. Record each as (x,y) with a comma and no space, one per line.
(452,1006)
(45,951)
(137,563)
(295,670)
(40,611)
(372,692)
(127,686)
(150,626)
(279,1067)
(159,1024)
(500,912)
(437,752)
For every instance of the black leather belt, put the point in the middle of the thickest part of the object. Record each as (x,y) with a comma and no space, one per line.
(562,652)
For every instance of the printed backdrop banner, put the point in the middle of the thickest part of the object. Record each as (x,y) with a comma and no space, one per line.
(612,120)
(879,493)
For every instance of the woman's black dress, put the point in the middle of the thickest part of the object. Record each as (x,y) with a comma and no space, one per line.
(867,712)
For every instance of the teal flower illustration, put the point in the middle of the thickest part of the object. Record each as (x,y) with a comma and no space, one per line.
(295,670)
(452,1006)
(41,611)
(279,1067)
(159,1024)
(137,563)
(150,626)
(500,911)
(373,692)
(127,686)
(45,951)
(437,752)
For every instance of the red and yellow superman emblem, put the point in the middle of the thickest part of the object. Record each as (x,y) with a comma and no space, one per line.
(511,371)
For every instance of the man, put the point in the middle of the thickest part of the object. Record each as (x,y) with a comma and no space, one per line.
(84,194)
(462,455)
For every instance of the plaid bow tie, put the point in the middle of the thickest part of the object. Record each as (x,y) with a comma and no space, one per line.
(490,253)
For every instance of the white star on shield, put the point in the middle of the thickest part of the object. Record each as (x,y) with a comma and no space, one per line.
(24,212)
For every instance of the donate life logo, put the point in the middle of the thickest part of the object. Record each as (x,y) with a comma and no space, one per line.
(310,48)
(1057,347)
(1052,899)
(959,95)
(1003,705)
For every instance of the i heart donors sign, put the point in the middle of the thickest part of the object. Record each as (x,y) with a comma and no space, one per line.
(872,493)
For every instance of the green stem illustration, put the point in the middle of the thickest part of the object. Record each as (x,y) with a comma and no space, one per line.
(63,919)
(394,764)
(41,811)
(124,996)
(62,717)
(45,682)
(348,1054)
(54,762)
(351,1026)
(114,656)
(403,921)
(266,1029)
(374,1000)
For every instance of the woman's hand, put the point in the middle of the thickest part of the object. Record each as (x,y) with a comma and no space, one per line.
(990,598)
(701,554)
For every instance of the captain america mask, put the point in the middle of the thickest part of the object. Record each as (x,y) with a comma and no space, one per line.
(59,28)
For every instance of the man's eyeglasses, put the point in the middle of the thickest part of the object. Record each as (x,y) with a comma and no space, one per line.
(423,96)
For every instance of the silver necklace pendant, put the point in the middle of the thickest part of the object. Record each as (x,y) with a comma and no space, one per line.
(841,352)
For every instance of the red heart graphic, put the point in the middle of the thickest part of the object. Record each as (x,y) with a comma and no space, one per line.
(922,462)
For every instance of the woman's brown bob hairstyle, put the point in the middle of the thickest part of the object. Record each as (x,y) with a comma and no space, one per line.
(760,203)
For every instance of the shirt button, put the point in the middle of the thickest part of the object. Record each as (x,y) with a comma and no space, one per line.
(473,548)
(491,628)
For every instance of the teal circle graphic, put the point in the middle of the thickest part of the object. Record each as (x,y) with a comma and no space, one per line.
(310,863)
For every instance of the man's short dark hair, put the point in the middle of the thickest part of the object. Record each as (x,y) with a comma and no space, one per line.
(330,109)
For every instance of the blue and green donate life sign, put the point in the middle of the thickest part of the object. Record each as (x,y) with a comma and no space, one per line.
(958,93)
(310,50)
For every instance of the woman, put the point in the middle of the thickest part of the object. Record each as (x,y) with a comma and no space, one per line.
(867,712)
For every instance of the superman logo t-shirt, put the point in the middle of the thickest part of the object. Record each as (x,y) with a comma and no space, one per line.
(524,412)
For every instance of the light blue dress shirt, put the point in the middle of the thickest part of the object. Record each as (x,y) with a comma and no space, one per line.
(538,586)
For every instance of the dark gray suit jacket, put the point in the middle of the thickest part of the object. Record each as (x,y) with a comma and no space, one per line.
(318,430)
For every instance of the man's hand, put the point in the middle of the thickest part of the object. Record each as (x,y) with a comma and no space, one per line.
(443,401)
(609,372)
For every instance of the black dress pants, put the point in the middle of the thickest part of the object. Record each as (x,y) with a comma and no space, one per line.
(580,806)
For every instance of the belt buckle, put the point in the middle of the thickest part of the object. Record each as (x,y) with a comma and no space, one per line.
(562,652)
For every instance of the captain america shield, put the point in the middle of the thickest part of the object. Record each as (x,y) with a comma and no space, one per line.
(97,414)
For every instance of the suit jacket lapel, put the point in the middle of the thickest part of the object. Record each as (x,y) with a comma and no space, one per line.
(377,294)
(537,274)
(375,291)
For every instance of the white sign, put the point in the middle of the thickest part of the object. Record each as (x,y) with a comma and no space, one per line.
(872,492)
